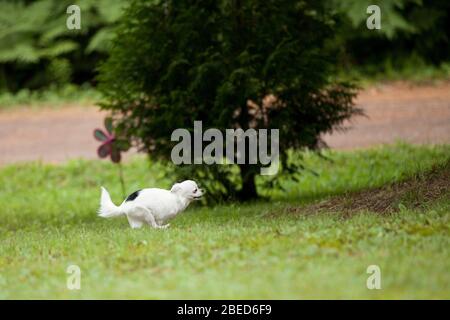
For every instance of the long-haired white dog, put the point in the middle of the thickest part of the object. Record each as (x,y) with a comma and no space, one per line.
(151,206)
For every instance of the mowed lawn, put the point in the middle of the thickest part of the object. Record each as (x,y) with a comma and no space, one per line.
(259,250)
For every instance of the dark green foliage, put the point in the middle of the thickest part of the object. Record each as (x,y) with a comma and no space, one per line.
(37,50)
(174,62)
(414,34)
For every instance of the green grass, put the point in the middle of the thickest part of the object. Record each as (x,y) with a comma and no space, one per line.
(412,70)
(55,97)
(48,222)
(353,171)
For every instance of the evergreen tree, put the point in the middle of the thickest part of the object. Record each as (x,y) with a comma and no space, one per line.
(231,64)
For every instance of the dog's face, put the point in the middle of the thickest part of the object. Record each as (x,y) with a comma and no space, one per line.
(187,189)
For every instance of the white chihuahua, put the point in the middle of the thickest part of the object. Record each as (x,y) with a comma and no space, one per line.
(152,206)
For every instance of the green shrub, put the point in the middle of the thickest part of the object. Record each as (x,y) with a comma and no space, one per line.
(176,62)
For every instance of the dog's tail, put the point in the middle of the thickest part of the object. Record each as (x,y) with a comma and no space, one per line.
(107,208)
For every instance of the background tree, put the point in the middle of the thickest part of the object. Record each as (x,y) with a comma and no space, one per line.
(231,64)
(414,38)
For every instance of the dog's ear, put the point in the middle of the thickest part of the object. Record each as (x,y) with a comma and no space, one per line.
(175,188)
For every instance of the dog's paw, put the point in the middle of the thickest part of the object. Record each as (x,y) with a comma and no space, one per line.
(164,226)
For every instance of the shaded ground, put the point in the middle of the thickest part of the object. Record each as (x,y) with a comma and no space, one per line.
(395,112)
(412,193)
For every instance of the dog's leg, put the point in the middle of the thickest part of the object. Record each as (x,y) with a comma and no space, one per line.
(151,221)
(149,218)
(134,223)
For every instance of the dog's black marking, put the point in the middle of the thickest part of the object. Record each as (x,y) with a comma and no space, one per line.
(133,196)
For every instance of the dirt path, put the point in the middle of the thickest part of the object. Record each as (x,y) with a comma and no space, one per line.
(50,135)
(395,112)
(416,114)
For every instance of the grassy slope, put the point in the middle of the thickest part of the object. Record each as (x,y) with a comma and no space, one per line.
(47,222)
